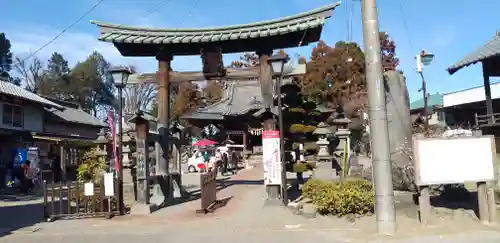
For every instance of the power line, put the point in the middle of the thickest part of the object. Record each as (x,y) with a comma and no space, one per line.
(405,24)
(62,32)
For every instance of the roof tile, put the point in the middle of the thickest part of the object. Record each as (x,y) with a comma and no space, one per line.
(488,50)
(125,34)
(16,91)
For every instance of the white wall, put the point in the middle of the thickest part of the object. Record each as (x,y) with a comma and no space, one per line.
(470,95)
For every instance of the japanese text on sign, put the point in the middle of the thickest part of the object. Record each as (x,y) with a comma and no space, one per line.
(271,157)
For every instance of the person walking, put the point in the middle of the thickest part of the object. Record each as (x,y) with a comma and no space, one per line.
(206,159)
(225,161)
(218,160)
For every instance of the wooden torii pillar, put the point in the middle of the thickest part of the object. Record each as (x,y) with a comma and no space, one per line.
(161,145)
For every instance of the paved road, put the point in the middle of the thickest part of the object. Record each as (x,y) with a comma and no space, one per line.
(244,220)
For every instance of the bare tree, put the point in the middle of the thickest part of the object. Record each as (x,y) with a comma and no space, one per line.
(32,73)
(139,97)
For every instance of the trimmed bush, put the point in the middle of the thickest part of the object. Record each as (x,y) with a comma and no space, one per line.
(300,128)
(303,166)
(300,166)
(341,198)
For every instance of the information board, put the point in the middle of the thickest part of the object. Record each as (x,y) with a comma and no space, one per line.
(454,160)
(271,157)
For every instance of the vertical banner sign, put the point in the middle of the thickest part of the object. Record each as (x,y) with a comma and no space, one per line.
(112,127)
(271,157)
(109,185)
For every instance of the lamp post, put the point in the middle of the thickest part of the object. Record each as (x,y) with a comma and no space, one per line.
(424,59)
(277,63)
(120,77)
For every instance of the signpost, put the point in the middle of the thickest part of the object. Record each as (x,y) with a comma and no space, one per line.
(208,182)
(143,205)
(271,157)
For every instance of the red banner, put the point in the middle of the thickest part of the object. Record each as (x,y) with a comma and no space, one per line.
(112,127)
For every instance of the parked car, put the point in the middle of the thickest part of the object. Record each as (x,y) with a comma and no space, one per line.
(196,164)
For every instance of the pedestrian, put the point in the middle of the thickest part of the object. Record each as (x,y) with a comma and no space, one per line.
(225,161)
(27,177)
(234,162)
(218,159)
(206,159)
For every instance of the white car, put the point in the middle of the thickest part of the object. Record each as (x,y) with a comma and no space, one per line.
(196,164)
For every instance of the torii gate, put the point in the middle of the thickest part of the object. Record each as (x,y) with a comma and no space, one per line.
(260,37)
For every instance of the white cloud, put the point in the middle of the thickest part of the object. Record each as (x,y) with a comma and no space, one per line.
(76,46)
(79,42)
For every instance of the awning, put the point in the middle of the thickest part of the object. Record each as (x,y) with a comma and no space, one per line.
(57,139)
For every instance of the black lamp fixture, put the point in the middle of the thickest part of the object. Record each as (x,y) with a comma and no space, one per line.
(120,76)
(277,63)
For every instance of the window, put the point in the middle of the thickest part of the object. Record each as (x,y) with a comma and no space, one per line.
(12,115)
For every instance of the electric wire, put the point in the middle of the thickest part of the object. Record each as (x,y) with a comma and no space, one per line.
(61,32)
(405,24)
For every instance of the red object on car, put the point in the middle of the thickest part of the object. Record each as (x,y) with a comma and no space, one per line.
(201,166)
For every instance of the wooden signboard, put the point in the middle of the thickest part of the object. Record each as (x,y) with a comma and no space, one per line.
(208,182)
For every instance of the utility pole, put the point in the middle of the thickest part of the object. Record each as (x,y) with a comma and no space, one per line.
(381,157)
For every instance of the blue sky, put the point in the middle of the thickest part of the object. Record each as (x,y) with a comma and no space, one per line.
(448,28)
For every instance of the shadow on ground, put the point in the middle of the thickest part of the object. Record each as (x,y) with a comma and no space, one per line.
(193,195)
(461,200)
(451,199)
(19,212)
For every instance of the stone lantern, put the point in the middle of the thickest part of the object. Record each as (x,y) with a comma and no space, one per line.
(323,131)
(126,150)
(102,144)
(342,133)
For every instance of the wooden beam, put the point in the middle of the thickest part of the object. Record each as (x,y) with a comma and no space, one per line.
(231,74)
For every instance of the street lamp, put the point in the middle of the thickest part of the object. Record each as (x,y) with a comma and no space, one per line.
(120,77)
(277,63)
(424,59)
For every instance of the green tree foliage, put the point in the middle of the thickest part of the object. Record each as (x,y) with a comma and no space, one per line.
(90,84)
(6,61)
(5,56)
(56,77)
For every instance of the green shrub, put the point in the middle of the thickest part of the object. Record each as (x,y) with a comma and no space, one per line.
(303,166)
(341,198)
(300,128)
(92,166)
(300,166)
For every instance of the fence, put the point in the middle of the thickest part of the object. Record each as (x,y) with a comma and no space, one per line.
(481,120)
(67,200)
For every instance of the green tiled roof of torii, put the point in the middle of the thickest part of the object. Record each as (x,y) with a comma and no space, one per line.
(121,34)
